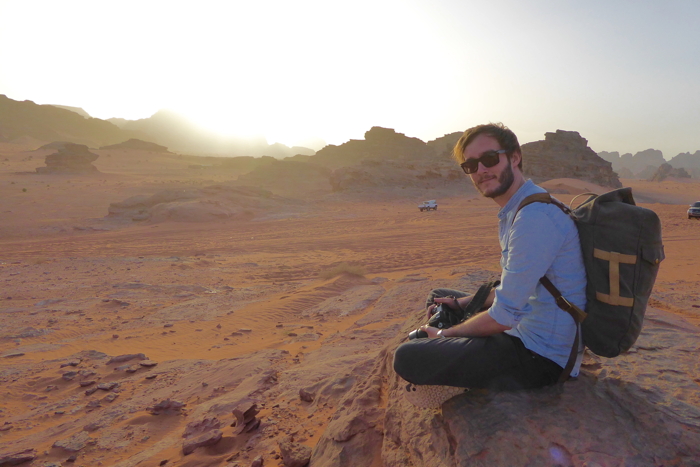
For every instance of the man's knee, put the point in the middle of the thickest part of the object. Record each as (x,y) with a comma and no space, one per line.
(403,357)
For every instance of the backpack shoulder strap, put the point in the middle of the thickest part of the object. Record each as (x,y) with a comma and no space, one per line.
(542,198)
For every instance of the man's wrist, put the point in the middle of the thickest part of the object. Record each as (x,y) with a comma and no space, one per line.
(440,333)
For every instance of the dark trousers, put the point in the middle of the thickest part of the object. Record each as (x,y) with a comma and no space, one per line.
(499,362)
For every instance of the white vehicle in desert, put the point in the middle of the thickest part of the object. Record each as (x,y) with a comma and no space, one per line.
(428,205)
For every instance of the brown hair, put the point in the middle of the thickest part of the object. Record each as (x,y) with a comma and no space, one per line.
(501,133)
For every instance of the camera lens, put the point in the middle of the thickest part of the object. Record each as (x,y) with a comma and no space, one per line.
(417,334)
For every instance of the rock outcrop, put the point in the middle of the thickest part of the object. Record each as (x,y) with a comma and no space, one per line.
(639,409)
(70,159)
(618,412)
(666,170)
(379,144)
(565,154)
(444,145)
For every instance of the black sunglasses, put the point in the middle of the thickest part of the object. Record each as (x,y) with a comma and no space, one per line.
(488,159)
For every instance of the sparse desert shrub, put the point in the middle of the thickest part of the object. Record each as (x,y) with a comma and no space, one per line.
(24,190)
(343,268)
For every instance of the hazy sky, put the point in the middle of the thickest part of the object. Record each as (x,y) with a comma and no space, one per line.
(625,74)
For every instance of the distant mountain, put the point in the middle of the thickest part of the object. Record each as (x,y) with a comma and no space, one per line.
(612,157)
(50,123)
(315,144)
(686,160)
(644,164)
(120,122)
(180,135)
(46,123)
(77,110)
(642,159)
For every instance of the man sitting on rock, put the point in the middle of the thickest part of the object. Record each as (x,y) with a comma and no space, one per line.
(523,339)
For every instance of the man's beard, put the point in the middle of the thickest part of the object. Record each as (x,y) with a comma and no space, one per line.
(505,180)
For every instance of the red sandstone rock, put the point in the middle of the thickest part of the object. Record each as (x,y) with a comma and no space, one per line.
(208,438)
(17,458)
(294,454)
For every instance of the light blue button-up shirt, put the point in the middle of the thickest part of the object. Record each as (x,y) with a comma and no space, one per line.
(542,240)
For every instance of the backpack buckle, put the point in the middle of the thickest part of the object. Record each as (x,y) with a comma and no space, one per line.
(578,314)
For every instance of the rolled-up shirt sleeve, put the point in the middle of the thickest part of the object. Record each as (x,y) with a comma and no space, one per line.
(530,251)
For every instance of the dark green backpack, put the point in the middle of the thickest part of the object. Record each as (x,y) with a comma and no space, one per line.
(622,249)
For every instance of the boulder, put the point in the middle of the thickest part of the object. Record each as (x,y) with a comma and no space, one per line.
(208,438)
(295,454)
(75,443)
(245,413)
(201,433)
(70,159)
(16,458)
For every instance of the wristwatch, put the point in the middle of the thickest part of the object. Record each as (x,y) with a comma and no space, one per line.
(440,334)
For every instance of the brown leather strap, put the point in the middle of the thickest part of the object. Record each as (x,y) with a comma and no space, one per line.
(578,316)
(576,313)
(542,198)
(535,198)
(572,356)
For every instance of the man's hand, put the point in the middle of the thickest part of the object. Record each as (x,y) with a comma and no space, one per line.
(432,332)
(463,302)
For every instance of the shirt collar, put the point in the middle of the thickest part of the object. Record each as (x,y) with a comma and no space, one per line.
(524,191)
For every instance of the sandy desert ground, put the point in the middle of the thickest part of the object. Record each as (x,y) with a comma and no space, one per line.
(227,311)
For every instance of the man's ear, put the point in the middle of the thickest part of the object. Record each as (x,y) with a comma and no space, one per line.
(515,159)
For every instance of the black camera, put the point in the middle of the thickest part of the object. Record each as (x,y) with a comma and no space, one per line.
(443,317)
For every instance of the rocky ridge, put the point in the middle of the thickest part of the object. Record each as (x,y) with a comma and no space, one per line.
(379,144)
(565,154)
(387,158)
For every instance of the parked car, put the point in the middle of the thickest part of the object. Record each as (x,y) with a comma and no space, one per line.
(428,205)
(694,210)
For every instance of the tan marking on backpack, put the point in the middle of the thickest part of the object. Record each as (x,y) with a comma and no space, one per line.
(614,259)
